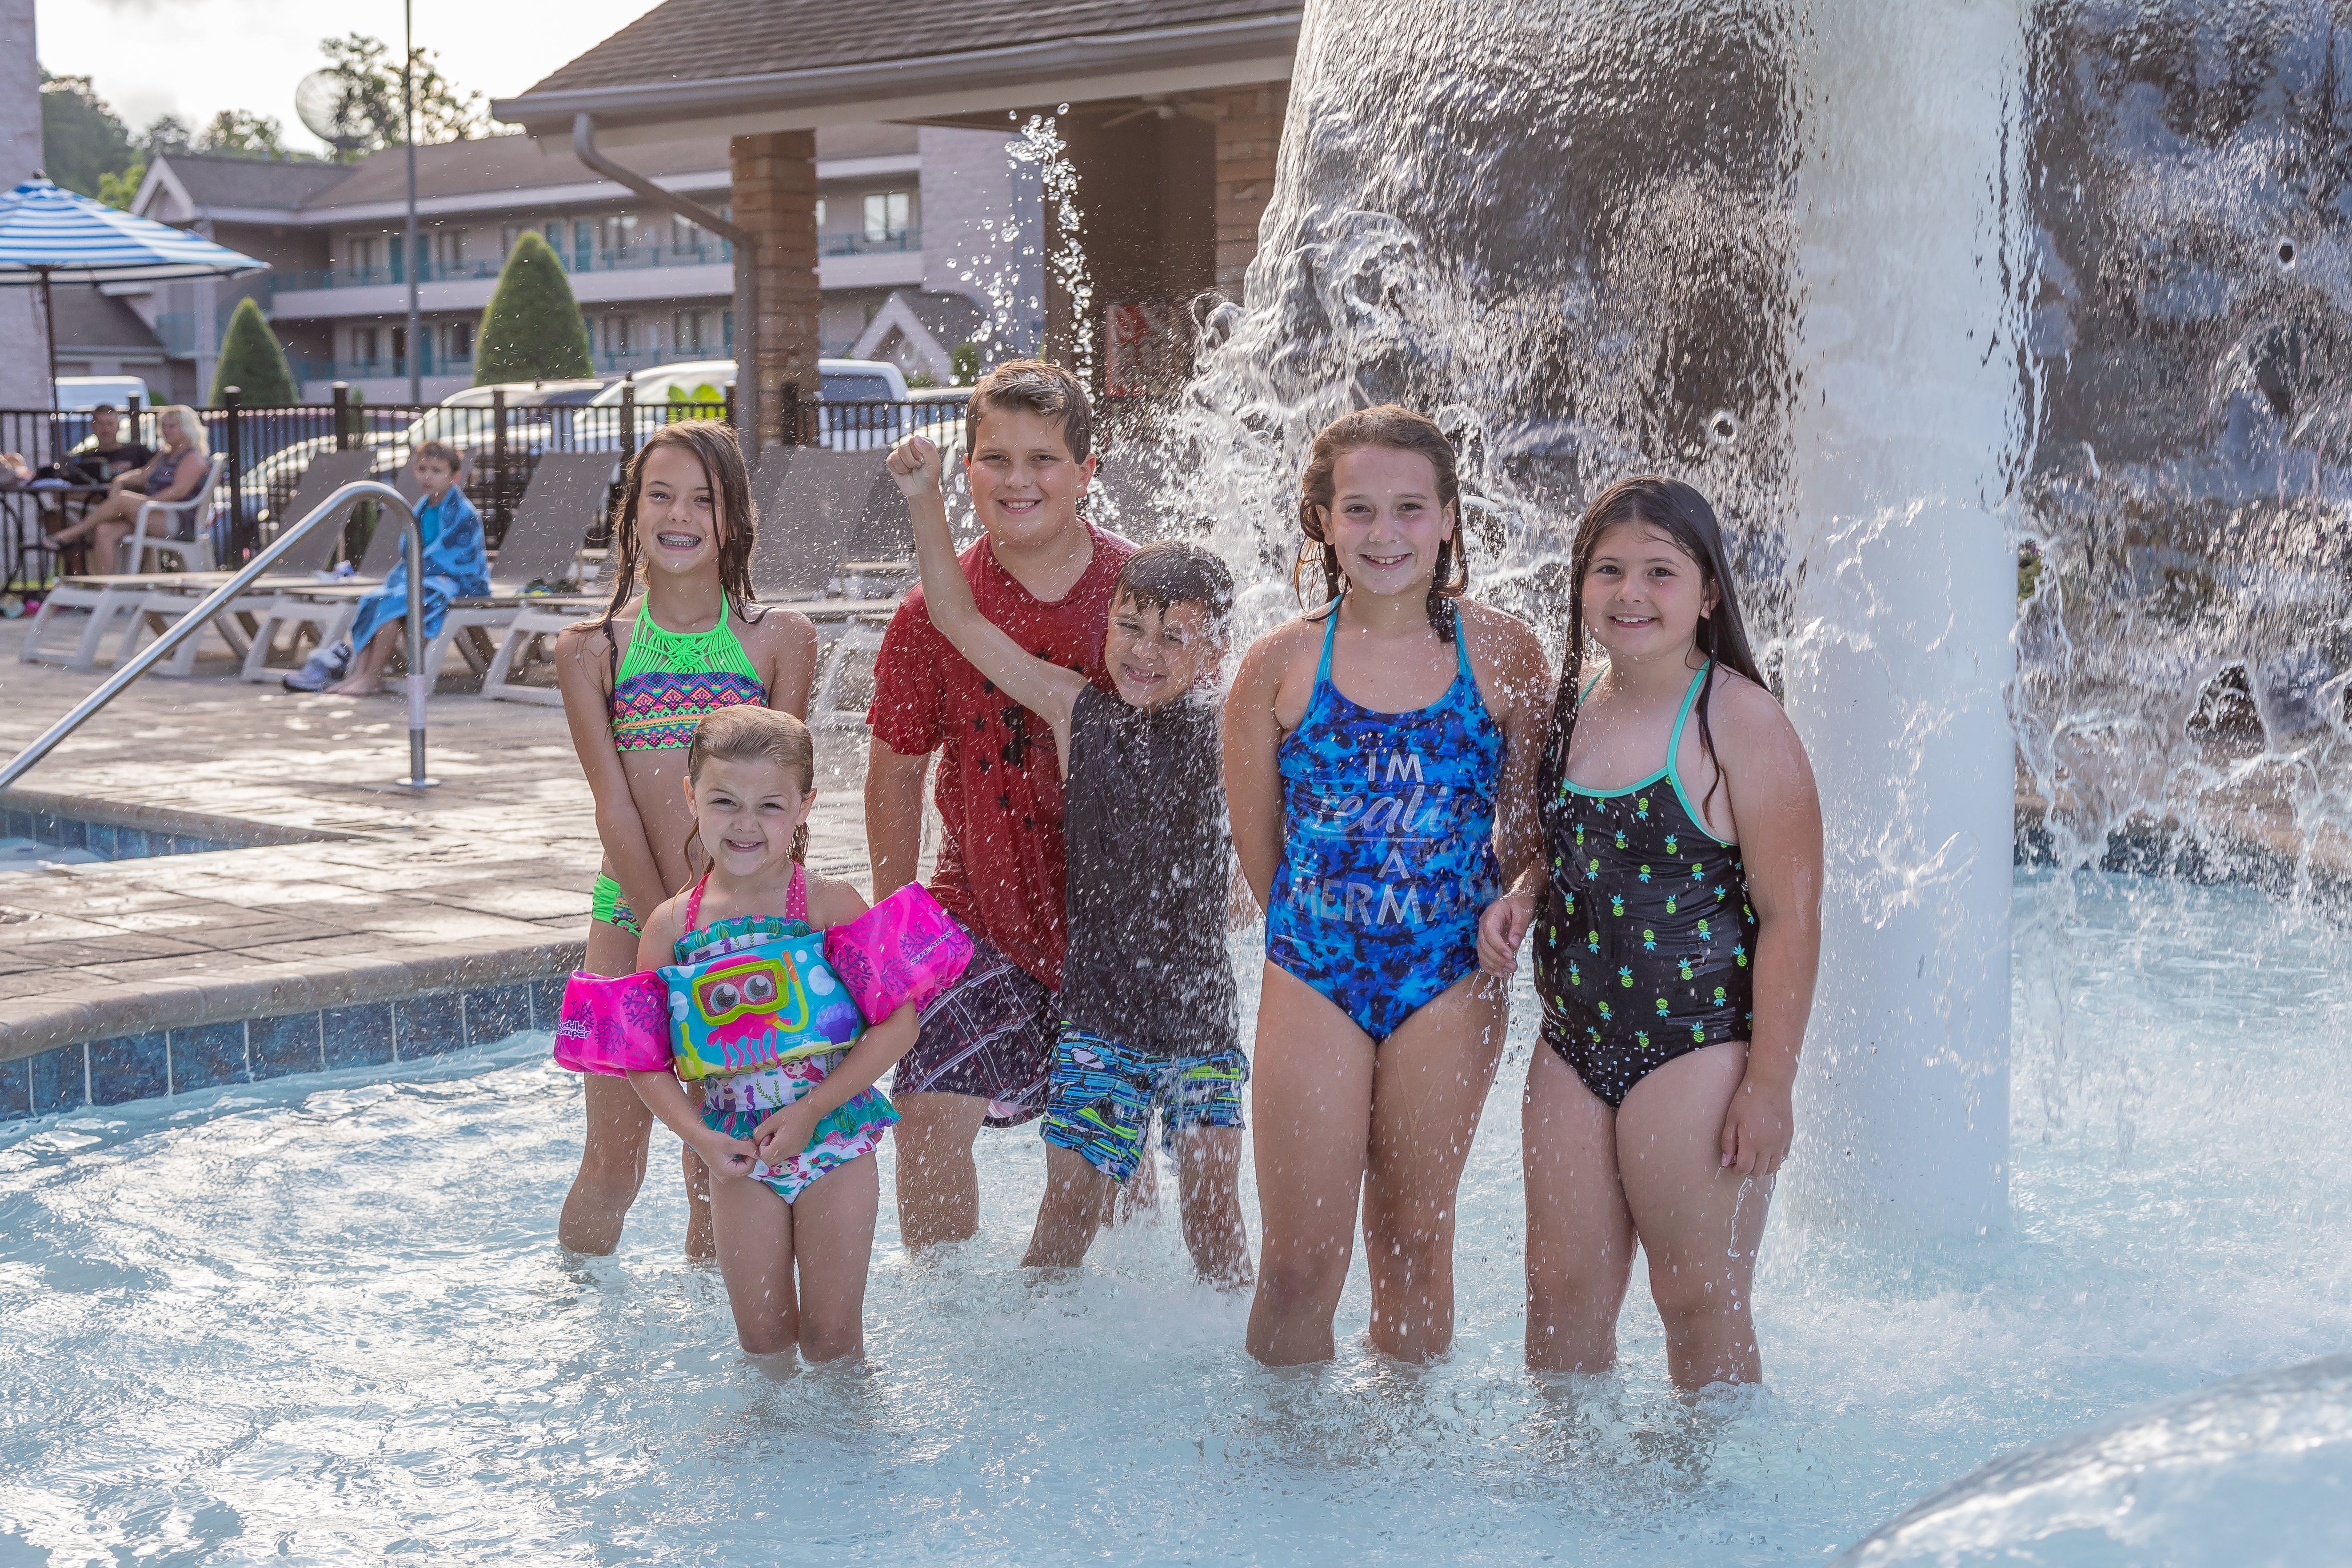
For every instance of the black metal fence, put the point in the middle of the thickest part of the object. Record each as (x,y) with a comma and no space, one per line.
(501,433)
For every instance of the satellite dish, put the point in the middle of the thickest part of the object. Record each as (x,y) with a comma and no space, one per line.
(329,109)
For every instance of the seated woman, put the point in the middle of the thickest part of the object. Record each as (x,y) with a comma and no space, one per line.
(456,565)
(173,475)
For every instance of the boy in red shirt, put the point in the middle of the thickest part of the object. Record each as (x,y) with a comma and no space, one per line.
(1044,575)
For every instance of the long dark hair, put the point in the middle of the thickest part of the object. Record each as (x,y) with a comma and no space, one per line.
(712,443)
(1682,514)
(1399,429)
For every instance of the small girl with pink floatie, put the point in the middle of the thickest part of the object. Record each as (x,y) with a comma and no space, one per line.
(776,1001)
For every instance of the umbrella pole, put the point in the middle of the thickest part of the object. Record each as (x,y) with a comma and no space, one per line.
(50,336)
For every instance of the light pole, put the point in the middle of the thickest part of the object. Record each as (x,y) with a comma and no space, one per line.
(408,135)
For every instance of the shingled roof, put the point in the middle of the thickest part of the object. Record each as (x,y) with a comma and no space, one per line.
(717,55)
(224,180)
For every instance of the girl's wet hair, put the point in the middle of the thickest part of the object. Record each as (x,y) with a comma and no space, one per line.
(1682,514)
(747,733)
(1400,430)
(712,444)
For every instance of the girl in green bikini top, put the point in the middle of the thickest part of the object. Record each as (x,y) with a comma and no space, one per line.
(634,689)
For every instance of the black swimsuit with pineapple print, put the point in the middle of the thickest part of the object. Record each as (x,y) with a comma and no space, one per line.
(1645,944)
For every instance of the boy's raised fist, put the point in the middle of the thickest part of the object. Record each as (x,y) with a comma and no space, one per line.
(914,462)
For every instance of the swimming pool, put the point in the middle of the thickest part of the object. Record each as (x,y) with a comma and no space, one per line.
(325,1317)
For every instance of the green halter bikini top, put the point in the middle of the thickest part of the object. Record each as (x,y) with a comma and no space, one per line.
(668,681)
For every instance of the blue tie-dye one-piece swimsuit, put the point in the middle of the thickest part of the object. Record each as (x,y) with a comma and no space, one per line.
(1388,851)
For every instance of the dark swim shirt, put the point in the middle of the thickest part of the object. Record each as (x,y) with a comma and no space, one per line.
(1150,858)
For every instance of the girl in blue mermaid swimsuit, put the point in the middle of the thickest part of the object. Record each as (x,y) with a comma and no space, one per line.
(1380,761)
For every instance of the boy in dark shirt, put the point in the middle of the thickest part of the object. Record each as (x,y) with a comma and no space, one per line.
(1148,1016)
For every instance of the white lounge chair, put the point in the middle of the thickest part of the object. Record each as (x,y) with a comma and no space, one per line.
(241,623)
(109,599)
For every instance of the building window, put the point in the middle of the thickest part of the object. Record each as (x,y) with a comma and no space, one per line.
(364,254)
(363,343)
(727,334)
(616,333)
(555,236)
(885,214)
(820,212)
(583,245)
(618,232)
(461,340)
(449,249)
(508,233)
(400,345)
(686,329)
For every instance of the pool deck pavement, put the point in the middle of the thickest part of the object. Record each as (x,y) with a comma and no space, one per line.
(481,882)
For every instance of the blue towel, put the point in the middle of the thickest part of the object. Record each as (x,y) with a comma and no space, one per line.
(456,566)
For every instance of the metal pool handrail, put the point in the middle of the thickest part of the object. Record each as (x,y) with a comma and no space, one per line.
(214,603)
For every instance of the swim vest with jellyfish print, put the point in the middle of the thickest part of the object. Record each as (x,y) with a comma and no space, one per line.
(775,1001)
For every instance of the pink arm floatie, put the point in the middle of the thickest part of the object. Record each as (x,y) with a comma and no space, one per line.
(905,949)
(614,1024)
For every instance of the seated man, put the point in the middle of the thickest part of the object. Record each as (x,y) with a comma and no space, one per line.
(106,455)
(456,565)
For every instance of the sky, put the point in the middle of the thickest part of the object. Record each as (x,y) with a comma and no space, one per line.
(195,57)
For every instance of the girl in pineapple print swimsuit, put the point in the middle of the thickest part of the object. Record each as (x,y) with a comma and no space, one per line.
(1644,950)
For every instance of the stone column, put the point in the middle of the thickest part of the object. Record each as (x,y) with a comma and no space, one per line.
(24,351)
(776,294)
(1249,130)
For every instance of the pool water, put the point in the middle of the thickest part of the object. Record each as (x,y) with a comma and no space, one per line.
(32,854)
(326,1319)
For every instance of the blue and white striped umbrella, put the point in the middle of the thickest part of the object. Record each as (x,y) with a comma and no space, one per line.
(47,233)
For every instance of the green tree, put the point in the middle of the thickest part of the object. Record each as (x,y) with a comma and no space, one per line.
(165,136)
(240,130)
(533,329)
(118,190)
(371,94)
(251,360)
(82,139)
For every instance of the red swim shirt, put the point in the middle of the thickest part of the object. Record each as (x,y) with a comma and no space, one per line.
(998,787)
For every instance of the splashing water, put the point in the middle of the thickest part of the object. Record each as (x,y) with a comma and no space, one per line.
(326,1318)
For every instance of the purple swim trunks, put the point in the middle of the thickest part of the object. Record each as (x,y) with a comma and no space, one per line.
(991,1035)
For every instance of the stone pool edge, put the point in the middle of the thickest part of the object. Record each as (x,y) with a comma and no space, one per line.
(61,818)
(328,1015)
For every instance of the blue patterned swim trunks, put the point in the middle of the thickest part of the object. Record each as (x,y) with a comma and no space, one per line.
(1100,1100)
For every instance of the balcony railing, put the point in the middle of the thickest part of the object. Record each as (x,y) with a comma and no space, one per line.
(869,241)
(619,362)
(631,259)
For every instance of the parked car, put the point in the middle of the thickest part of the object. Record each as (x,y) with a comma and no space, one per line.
(84,393)
(863,405)
(695,381)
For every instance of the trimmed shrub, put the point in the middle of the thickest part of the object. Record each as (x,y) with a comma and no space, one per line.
(533,329)
(252,361)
